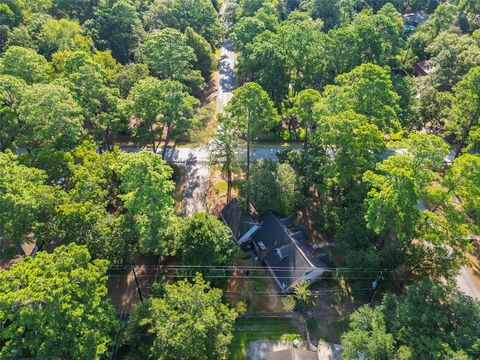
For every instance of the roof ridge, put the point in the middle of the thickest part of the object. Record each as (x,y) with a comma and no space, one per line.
(294,241)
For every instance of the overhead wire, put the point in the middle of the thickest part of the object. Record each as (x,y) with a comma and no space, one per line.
(242,267)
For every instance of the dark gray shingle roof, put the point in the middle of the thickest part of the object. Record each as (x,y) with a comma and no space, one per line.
(287,256)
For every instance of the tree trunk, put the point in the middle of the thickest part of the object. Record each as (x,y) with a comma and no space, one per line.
(167,140)
(108,140)
(248,150)
(154,148)
(306,136)
(229,186)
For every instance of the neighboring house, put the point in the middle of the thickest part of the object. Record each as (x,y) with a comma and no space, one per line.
(292,354)
(280,245)
(413,20)
(422,68)
(29,249)
(26,249)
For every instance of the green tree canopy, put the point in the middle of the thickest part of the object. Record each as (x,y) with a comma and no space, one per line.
(464,177)
(374,38)
(25,64)
(168,56)
(54,306)
(79,9)
(349,147)
(452,56)
(59,35)
(160,105)
(26,202)
(416,221)
(264,62)
(205,240)
(300,42)
(464,114)
(12,12)
(367,336)
(51,118)
(11,90)
(200,15)
(429,321)
(88,215)
(203,52)
(102,107)
(332,13)
(119,28)
(147,193)
(253,112)
(274,187)
(162,326)
(444,17)
(303,109)
(367,90)
(128,76)
(246,30)
(398,185)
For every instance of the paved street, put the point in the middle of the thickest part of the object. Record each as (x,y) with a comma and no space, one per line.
(227,80)
(201,154)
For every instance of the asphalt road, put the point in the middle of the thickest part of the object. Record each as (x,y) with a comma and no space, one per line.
(181,155)
(227,82)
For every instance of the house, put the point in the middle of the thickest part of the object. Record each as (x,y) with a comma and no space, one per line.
(292,354)
(422,68)
(278,244)
(413,20)
(28,248)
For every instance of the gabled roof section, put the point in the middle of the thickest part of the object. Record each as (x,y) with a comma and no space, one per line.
(238,220)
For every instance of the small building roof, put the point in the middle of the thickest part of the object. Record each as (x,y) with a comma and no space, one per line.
(423,68)
(292,354)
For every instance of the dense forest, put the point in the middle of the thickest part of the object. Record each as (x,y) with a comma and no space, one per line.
(381,114)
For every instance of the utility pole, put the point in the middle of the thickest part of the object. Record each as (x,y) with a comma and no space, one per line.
(376,282)
(138,285)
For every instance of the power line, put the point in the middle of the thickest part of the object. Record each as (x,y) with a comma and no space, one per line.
(241,267)
(315,293)
(241,277)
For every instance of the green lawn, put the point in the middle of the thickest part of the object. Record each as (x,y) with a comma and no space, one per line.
(247,330)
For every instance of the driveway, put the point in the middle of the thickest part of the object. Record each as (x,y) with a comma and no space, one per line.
(468,282)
